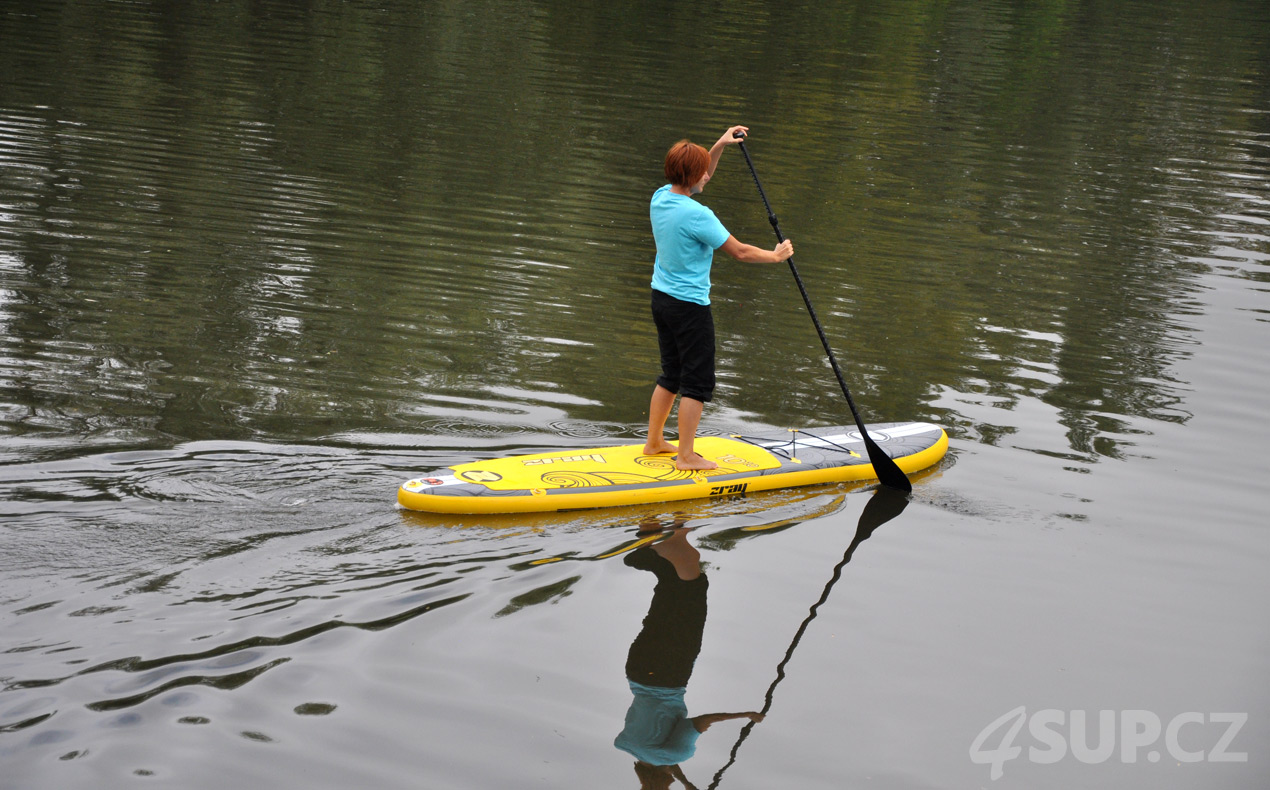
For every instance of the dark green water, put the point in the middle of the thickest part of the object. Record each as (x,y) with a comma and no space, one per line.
(262,261)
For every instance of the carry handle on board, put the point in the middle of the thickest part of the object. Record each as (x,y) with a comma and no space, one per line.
(888,472)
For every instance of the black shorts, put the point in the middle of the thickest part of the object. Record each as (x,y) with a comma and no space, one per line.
(666,649)
(685,335)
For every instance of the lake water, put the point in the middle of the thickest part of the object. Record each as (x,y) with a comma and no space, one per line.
(260,262)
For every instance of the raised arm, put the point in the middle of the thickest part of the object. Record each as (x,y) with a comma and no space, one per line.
(727,139)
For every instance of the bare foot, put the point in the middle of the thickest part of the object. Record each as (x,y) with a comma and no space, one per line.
(692,462)
(659,447)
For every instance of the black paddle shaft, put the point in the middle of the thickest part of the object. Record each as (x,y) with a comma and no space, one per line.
(888,472)
(884,505)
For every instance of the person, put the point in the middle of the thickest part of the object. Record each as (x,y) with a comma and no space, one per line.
(687,234)
(657,730)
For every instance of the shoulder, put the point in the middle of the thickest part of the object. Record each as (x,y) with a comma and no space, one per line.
(706,216)
(705,212)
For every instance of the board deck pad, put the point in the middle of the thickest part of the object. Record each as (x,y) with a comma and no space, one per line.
(608,466)
(624,475)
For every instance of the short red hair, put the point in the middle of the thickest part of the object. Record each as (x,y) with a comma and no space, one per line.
(686,163)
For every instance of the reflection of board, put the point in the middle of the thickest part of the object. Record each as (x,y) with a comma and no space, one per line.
(608,476)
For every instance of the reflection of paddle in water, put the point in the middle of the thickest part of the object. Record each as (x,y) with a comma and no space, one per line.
(884,505)
(658,731)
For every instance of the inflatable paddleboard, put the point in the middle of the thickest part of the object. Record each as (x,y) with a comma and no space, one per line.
(611,476)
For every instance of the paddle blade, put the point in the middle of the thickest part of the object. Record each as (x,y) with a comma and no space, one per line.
(888,472)
(884,505)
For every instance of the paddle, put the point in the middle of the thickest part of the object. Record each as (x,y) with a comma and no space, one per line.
(884,505)
(889,474)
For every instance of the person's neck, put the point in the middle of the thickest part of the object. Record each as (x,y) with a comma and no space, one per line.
(678,190)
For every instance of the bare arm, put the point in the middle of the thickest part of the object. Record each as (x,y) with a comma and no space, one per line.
(727,139)
(747,253)
(702,723)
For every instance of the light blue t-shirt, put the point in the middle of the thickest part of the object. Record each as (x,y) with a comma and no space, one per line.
(658,730)
(687,234)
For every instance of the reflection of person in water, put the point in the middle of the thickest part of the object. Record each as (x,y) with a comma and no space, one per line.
(658,732)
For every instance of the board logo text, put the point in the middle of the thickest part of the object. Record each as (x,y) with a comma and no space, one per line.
(596,457)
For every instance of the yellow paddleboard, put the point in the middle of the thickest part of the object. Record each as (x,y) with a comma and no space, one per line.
(610,476)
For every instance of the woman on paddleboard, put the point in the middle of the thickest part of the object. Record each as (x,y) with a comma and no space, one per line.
(687,234)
